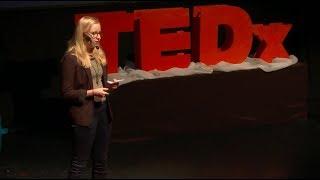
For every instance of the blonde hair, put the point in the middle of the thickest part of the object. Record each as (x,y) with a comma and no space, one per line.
(77,47)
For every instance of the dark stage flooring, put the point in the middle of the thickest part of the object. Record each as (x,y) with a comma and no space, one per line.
(290,150)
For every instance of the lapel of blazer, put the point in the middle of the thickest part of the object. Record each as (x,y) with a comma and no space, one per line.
(104,75)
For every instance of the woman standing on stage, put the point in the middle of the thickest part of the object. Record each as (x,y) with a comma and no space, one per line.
(84,86)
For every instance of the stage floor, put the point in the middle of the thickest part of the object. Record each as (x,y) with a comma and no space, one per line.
(272,151)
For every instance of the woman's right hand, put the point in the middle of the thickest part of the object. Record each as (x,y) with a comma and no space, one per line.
(98,92)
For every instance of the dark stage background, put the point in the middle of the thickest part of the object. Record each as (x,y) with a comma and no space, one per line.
(34,35)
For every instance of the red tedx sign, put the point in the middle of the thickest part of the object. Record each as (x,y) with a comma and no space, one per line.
(169,37)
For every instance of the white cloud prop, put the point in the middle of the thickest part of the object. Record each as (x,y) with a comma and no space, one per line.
(129,74)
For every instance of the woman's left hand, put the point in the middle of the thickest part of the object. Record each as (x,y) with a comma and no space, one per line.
(115,85)
(112,85)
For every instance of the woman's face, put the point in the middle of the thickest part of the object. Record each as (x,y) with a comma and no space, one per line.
(95,31)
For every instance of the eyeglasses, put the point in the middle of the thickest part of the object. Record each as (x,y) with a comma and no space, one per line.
(95,34)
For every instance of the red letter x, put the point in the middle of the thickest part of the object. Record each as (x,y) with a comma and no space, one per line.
(271,37)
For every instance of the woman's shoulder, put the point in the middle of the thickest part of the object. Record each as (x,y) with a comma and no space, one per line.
(69,56)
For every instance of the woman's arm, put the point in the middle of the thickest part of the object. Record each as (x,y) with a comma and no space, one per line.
(69,63)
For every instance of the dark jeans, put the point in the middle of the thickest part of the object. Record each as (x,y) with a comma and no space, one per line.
(92,141)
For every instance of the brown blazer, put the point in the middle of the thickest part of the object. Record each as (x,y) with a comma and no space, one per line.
(75,81)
